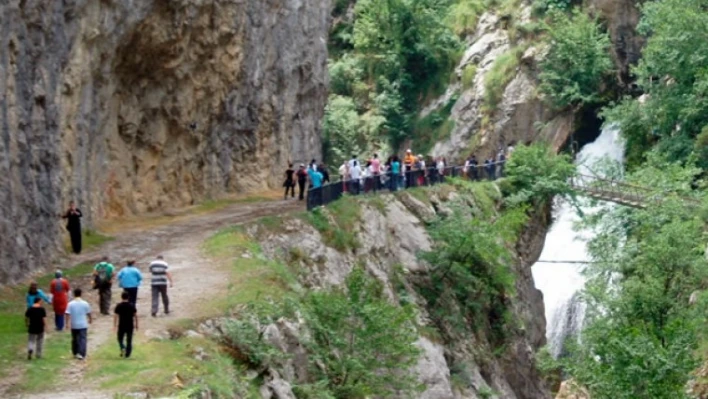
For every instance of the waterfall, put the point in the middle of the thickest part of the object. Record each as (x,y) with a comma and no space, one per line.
(562,282)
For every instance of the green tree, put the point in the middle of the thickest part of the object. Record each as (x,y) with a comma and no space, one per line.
(578,60)
(536,173)
(360,341)
(673,74)
(641,336)
(470,271)
(341,125)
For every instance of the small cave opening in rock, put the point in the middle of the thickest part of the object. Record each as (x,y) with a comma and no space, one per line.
(588,126)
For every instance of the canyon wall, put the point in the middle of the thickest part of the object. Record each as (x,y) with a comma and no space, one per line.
(391,232)
(129,107)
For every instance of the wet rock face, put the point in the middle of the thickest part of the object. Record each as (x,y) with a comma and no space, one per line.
(135,106)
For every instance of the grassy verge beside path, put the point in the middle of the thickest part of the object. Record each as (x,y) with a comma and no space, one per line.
(38,374)
(168,366)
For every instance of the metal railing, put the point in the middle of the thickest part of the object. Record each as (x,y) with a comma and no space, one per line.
(621,192)
(388,182)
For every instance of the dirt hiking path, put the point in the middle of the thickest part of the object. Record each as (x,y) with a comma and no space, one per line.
(195,278)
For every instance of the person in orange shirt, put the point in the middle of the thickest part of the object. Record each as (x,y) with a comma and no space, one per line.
(409,160)
(60,298)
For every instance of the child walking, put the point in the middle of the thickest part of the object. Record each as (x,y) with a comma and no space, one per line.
(125,321)
(36,321)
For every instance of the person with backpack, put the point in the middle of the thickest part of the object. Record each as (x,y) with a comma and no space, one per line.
(103,281)
(36,321)
(59,287)
(301,180)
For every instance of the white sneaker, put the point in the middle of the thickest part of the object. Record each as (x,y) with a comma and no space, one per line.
(79,357)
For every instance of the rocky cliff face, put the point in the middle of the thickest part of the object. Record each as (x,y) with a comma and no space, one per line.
(521,116)
(391,231)
(134,106)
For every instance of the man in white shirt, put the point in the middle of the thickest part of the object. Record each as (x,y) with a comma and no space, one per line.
(78,317)
(354,175)
(159,278)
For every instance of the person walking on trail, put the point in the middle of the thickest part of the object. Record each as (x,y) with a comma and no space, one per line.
(501,161)
(289,183)
(129,278)
(125,322)
(395,173)
(59,287)
(314,193)
(78,315)
(376,171)
(159,276)
(103,275)
(73,225)
(34,292)
(301,180)
(354,176)
(325,173)
(409,160)
(471,168)
(36,322)
(489,167)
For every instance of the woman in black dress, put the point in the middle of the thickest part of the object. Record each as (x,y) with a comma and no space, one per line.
(73,225)
(289,183)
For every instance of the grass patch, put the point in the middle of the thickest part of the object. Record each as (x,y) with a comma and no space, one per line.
(468,75)
(153,365)
(434,127)
(89,239)
(215,205)
(253,275)
(42,374)
(495,81)
(13,333)
(336,223)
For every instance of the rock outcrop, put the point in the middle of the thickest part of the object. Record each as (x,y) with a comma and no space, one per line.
(390,233)
(520,117)
(135,106)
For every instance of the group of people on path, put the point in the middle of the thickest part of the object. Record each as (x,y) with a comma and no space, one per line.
(393,174)
(76,313)
(316,174)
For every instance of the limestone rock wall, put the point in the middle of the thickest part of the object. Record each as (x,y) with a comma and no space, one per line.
(391,236)
(521,116)
(135,106)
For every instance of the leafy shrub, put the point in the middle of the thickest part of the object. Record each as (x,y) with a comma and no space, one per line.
(357,342)
(468,75)
(470,272)
(343,73)
(536,173)
(578,60)
(495,81)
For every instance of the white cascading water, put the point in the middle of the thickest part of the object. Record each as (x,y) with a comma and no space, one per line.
(562,282)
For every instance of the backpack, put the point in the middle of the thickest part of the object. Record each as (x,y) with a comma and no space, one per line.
(102,275)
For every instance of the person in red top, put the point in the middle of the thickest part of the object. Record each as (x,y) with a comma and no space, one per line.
(59,288)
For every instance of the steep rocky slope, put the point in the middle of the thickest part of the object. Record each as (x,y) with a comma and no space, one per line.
(390,233)
(133,106)
(522,116)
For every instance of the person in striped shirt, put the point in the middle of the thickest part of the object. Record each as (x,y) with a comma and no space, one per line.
(159,278)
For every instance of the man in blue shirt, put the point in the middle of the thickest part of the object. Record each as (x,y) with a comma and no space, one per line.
(129,279)
(78,315)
